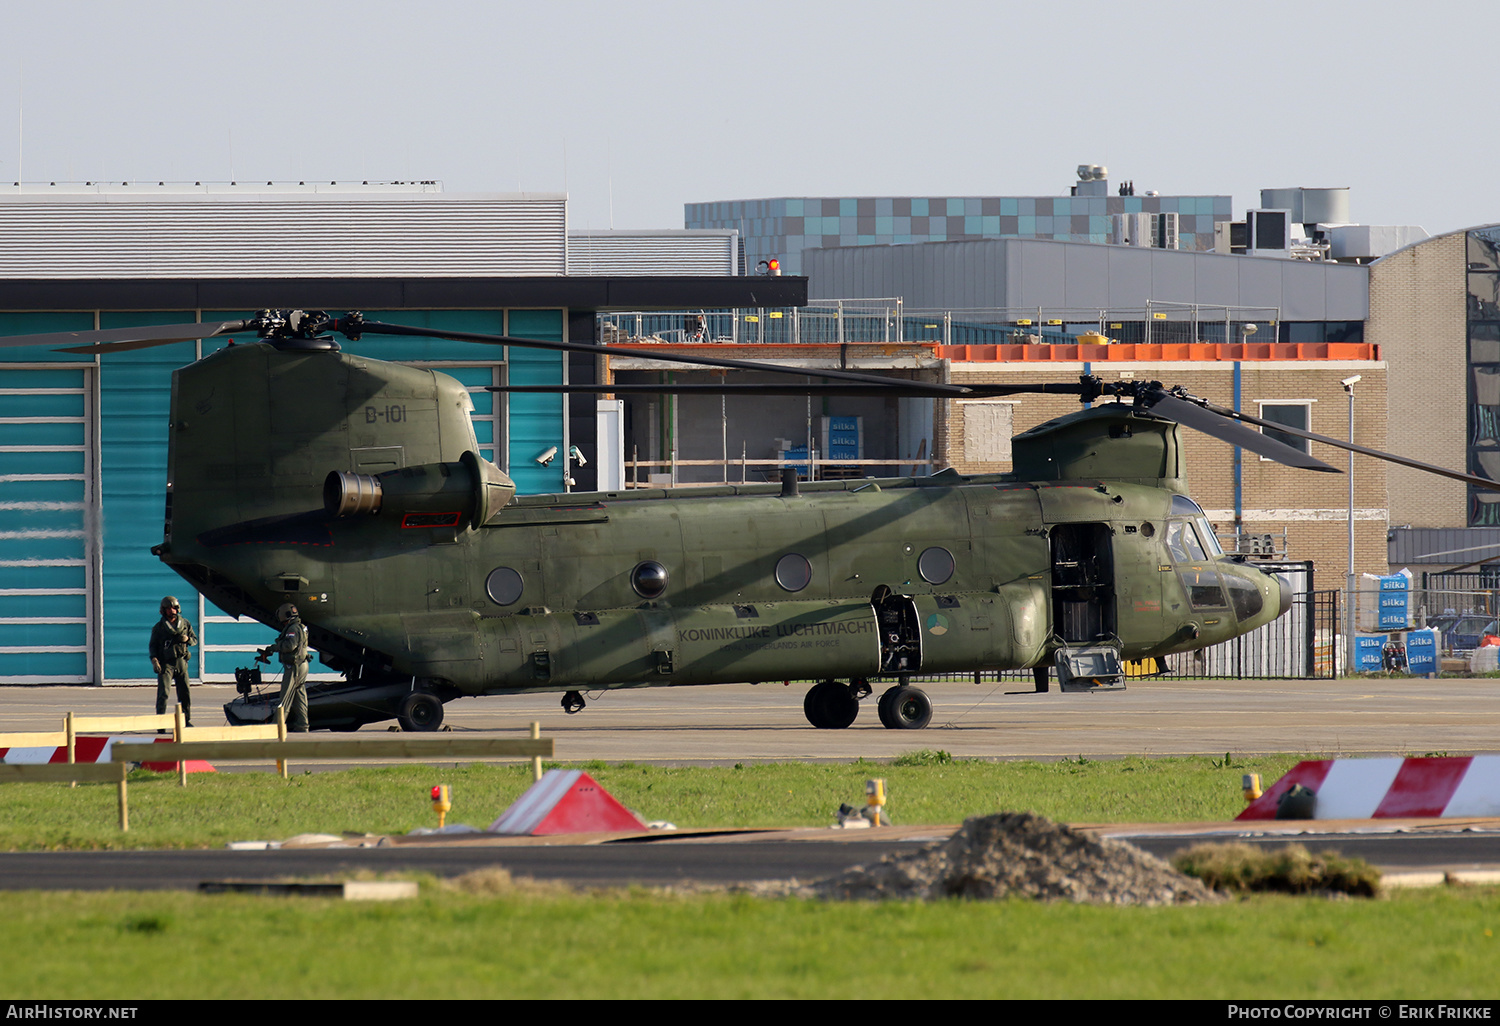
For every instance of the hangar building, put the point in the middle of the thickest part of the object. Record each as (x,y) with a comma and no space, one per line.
(83,438)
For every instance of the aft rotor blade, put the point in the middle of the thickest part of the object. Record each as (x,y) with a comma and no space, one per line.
(117,340)
(1405,461)
(1212,422)
(892,387)
(897,387)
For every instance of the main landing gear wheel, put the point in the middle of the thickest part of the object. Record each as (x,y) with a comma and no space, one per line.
(830,705)
(572,702)
(905,708)
(420,712)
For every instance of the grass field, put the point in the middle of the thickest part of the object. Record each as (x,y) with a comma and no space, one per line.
(453,944)
(923,787)
(486,937)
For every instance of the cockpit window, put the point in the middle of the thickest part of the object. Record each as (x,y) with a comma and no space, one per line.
(1210,540)
(1183,543)
(1183,506)
(1203,589)
(1244,596)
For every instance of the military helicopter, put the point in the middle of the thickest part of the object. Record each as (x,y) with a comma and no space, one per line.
(352,487)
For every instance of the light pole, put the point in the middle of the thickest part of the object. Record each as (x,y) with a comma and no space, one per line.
(1349,384)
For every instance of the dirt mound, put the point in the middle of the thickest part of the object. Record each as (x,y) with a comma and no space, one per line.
(1022,855)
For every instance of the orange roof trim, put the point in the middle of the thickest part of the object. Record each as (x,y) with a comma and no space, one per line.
(1127,351)
(1112,352)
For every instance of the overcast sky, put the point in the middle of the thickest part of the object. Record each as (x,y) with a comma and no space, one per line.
(636,108)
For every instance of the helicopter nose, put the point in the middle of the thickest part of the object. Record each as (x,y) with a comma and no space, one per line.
(1285,598)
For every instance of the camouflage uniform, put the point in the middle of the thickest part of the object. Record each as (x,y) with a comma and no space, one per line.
(170,641)
(291,646)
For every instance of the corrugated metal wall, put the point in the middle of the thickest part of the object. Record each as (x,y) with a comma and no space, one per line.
(48,511)
(653,252)
(83,456)
(1028,273)
(1442,546)
(281,236)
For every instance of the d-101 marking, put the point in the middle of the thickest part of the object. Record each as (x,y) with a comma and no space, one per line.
(389,414)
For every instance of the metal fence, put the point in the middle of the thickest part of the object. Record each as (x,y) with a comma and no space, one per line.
(831,321)
(1458,593)
(1178,323)
(1461,606)
(1302,644)
(820,322)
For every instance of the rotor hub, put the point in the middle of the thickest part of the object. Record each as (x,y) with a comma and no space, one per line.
(296,330)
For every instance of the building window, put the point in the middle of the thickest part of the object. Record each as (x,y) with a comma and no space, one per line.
(1484,371)
(1292,413)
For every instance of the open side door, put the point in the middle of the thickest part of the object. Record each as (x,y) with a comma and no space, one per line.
(900,631)
(1083,607)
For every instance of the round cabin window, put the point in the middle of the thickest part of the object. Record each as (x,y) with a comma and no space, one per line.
(504,586)
(935,565)
(649,579)
(793,572)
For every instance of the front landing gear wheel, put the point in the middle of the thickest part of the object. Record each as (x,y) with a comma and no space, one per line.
(572,702)
(420,712)
(830,705)
(905,708)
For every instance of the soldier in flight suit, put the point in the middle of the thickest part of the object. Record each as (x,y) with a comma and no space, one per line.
(170,640)
(291,646)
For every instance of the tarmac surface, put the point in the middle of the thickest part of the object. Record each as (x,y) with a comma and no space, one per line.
(995,719)
(1409,853)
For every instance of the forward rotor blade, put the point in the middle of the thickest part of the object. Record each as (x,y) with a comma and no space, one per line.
(1404,461)
(1215,423)
(379,328)
(117,340)
(1034,388)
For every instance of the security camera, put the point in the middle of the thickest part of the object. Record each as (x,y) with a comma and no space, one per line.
(1349,382)
(547,455)
(576,456)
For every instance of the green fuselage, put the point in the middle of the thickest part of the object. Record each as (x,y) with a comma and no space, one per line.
(446,582)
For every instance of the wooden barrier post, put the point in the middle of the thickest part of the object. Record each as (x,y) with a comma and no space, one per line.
(72,737)
(304,748)
(115,724)
(536,760)
(281,736)
(105,772)
(178,723)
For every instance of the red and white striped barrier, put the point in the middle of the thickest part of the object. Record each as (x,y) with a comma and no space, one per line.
(1391,788)
(565,802)
(96,749)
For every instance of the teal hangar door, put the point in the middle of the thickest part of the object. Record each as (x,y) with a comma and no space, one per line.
(48,525)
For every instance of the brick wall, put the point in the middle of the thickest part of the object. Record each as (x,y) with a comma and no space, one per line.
(1311,507)
(1418,299)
